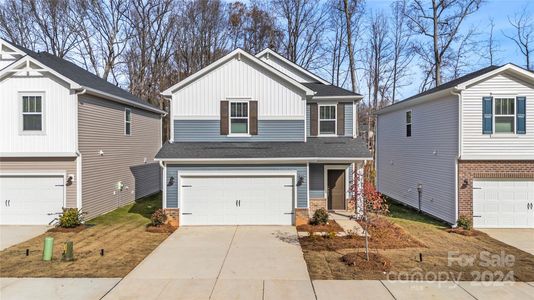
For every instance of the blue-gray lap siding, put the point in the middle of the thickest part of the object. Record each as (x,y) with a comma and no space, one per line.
(209,131)
(349,113)
(173,170)
(317,180)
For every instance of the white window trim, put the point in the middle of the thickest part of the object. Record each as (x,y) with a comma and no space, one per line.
(504,134)
(21,113)
(127,122)
(406,123)
(319,120)
(230,134)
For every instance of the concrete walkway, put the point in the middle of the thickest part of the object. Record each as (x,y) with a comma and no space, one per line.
(232,262)
(14,234)
(55,288)
(522,239)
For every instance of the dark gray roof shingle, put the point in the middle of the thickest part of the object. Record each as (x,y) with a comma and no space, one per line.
(328,90)
(334,147)
(82,76)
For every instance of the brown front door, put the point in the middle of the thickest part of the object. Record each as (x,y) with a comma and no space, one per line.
(336,189)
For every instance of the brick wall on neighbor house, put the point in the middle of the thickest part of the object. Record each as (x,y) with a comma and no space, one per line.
(487,169)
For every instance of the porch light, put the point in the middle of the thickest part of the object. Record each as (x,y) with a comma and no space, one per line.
(171,181)
(300,181)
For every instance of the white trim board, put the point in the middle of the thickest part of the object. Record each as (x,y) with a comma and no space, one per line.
(345,168)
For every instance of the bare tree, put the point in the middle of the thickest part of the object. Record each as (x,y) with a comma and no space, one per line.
(380,47)
(336,43)
(14,23)
(492,45)
(523,34)
(304,24)
(402,48)
(440,23)
(349,11)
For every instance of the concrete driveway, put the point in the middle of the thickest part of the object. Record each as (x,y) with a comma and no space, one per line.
(227,262)
(14,234)
(522,239)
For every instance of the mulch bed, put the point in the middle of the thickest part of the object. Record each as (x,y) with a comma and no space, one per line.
(73,229)
(165,228)
(465,232)
(383,235)
(359,260)
(331,226)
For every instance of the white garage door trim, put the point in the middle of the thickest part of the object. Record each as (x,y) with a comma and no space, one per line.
(43,173)
(518,216)
(225,173)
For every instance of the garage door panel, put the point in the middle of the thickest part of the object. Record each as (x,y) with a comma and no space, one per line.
(262,199)
(503,203)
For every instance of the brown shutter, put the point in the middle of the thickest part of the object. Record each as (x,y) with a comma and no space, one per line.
(340,118)
(314,119)
(253,117)
(224,117)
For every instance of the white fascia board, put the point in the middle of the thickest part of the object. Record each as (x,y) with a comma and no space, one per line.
(508,67)
(15,50)
(495,158)
(26,59)
(410,103)
(123,100)
(352,97)
(294,65)
(263,160)
(168,92)
(38,154)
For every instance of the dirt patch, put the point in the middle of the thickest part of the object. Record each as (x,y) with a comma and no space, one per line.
(359,260)
(464,232)
(165,228)
(73,229)
(332,226)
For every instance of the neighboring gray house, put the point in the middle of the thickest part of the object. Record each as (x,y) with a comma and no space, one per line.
(463,148)
(70,139)
(258,140)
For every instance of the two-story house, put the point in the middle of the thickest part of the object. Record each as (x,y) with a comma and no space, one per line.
(70,139)
(463,148)
(258,140)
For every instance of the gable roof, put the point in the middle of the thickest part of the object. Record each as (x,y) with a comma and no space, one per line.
(237,53)
(86,80)
(267,52)
(328,90)
(459,84)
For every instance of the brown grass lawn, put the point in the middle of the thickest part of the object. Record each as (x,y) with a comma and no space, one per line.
(425,236)
(121,233)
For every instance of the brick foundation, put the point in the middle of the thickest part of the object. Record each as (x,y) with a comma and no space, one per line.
(301,216)
(486,169)
(173,216)
(317,203)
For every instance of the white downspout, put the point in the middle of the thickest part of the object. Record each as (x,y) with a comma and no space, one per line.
(456,178)
(78,154)
(163,185)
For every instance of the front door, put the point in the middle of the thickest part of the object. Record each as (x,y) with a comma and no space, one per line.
(336,189)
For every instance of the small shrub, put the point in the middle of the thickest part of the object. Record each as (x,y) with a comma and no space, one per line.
(158,217)
(71,217)
(320,217)
(465,222)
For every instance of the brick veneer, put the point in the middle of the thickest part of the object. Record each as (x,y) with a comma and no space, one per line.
(301,216)
(317,203)
(487,169)
(173,216)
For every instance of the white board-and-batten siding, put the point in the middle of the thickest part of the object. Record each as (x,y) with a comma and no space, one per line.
(238,79)
(478,146)
(59,117)
(428,157)
(287,69)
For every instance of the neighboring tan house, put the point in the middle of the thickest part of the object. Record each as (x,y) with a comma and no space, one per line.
(70,139)
(258,140)
(463,148)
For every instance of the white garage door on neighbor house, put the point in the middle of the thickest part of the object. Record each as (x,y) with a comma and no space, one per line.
(29,200)
(237,200)
(503,203)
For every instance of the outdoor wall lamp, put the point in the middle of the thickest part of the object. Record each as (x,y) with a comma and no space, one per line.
(419,194)
(69,181)
(300,181)
(171,181)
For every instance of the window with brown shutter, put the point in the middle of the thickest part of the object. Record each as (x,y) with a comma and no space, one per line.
(314,119)
(224,117)
(340,119)
(253,117)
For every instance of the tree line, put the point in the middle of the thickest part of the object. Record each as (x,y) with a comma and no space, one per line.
(148,45)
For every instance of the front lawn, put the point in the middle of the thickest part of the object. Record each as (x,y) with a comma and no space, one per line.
(397,251)
(121,233)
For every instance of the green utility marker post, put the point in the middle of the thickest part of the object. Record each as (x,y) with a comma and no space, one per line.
(68,251)
(48,248)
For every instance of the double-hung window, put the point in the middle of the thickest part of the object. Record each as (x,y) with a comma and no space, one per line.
(408,121)
(327,119)
(127,121)
(239,117)
(32,113)
(504,115)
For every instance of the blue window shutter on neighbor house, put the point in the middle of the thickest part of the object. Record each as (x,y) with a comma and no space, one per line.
(521,115)
(487,115)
